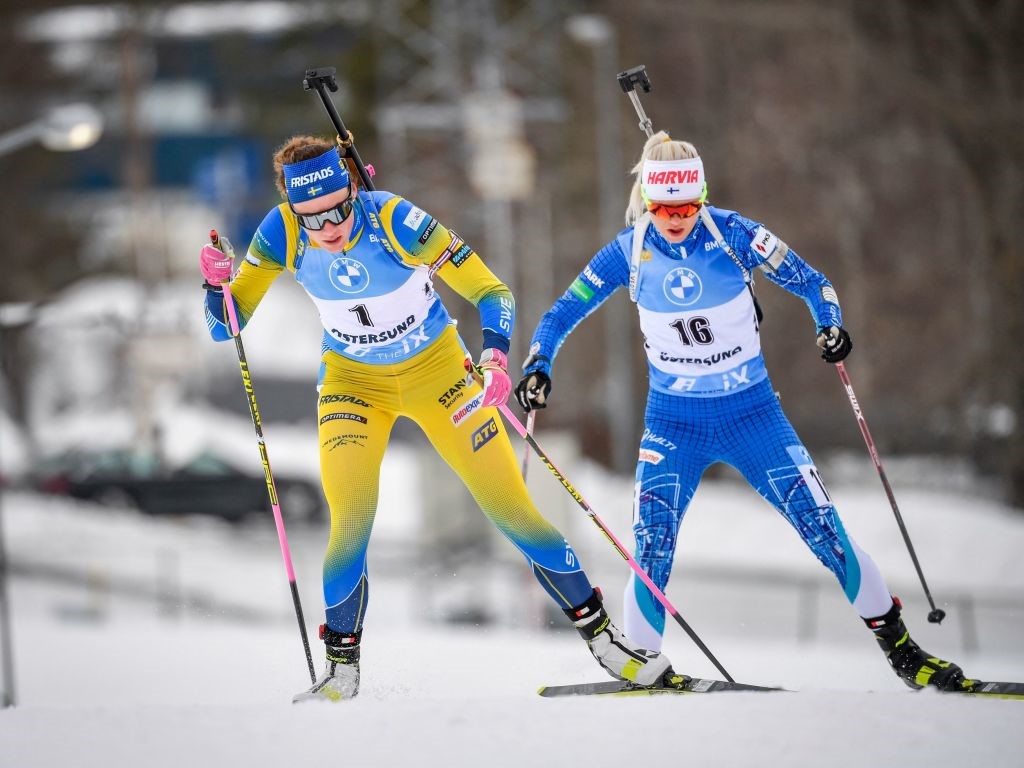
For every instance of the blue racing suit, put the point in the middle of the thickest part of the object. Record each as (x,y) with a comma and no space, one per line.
(710,398)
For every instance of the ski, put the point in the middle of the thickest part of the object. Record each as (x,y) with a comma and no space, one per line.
(622,688)
(994,690)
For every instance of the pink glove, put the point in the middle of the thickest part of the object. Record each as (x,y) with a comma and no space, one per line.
(215,264)
(494,368)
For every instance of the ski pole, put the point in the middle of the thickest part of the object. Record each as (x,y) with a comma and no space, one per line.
(254,413)
(936,615)
(531,417)
(510,417)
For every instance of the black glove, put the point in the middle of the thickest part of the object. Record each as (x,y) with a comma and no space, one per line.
(532,390)
(835,344)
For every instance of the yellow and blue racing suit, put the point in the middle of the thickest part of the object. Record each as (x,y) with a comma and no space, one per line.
(389,350)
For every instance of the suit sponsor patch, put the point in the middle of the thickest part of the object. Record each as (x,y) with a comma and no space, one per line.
(459,416)
(325,399)
(651,457)
(484,435)
(592,277)
(428,231)
(414,217)
(764,243)
(339,441)
(453,394)
(343,416)
(461,255)
(664,442)
(581,290)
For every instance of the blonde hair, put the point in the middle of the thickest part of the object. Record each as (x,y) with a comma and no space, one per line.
(659,147)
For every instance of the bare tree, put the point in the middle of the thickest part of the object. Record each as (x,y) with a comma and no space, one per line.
(957,66)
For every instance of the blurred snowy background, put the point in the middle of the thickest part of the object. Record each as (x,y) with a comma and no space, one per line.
(165,634)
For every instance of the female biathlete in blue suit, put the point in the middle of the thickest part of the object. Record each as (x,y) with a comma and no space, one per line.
(687,266)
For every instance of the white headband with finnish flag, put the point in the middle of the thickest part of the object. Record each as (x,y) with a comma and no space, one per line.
(664,180)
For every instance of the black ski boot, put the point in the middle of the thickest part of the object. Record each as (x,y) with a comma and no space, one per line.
(914,666)
(340,679)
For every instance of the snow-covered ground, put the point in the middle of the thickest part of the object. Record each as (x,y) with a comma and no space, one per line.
(173,642)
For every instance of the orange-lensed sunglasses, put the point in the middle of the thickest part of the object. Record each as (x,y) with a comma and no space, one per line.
(662,211)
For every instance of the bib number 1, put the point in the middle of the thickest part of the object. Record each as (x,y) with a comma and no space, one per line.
(362,315)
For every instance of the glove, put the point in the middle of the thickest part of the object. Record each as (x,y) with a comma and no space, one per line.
(835,344)
(533,390)
(493,367)
(215,264)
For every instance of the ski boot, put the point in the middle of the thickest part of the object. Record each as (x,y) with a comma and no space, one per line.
(340,679)
(619,657)
(915,667)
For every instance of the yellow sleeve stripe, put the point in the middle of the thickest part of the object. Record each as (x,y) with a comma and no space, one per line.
(291,231)
(386,212)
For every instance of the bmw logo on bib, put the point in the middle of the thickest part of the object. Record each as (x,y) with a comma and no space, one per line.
(683,286)
(349,276)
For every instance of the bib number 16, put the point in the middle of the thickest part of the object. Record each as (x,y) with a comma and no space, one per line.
(696,330)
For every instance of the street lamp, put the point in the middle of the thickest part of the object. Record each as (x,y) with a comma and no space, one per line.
(66,128)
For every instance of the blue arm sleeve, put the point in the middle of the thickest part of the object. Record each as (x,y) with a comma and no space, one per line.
(755,246)
(215,319)
(605,273)
(504,311)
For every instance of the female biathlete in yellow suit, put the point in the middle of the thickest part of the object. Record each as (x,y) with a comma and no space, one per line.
(389,350)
